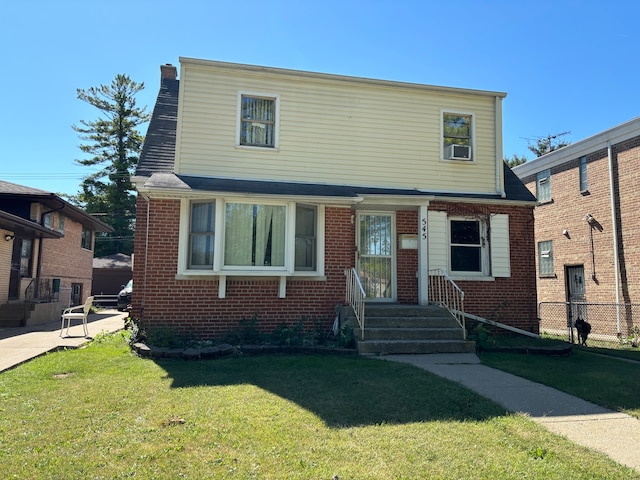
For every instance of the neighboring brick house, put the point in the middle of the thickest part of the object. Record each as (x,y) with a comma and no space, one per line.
(46,252)
(259,186)
(587,230)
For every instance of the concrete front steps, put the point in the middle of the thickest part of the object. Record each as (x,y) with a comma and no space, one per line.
(410,329)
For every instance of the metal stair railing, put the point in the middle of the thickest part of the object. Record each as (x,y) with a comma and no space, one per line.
(444,291)
(355,296)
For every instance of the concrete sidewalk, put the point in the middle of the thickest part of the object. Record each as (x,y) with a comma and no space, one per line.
(18,345)
(615,434)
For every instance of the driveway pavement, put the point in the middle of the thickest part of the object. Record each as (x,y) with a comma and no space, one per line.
(613,433)
(18,345)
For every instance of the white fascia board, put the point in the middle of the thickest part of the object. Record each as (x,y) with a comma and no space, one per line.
(599,141)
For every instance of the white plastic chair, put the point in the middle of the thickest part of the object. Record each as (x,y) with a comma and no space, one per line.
(79,312)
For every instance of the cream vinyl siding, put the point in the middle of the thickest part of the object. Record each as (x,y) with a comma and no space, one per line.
(500,253)
(332,131)
(438,240)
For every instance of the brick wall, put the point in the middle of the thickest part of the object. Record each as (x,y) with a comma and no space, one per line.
(194,305)
(567,211)
(64,258)
(510,300)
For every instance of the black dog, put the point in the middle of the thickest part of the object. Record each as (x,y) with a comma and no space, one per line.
(584,329)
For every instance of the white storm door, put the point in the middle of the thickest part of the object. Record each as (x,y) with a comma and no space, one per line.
(376,255)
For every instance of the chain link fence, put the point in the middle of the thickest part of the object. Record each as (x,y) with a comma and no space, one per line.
(612,324)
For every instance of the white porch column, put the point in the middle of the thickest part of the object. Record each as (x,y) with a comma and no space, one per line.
(423,255)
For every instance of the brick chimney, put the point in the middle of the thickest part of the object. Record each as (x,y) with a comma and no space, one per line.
(168,71)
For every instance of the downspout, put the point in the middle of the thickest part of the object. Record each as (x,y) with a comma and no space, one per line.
(614,223)
(146,256)
(499,159)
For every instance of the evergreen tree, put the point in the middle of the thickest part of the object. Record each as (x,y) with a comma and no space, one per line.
(113,143)
(515,160)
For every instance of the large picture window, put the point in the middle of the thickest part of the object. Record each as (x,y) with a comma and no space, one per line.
(257,121)
(466,246)
(254,235)
(237,238)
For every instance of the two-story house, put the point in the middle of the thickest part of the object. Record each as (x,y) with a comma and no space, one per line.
(259,187)
(46,252)
(587,232)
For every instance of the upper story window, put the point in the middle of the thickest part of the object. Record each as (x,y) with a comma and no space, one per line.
(258,121)
(86,238)
(543,186)
(457,138)
(584,185)
(47,220)
(61,220)
(467,246)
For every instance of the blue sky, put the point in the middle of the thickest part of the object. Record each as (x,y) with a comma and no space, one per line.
(566,65)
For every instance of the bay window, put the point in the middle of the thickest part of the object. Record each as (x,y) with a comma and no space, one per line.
(239,238)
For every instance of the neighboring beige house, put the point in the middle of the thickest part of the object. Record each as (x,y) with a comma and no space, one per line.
(587,229)
(260,187)
(46,252)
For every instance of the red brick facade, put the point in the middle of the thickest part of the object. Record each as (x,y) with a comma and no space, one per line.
(160,299)
(582,244)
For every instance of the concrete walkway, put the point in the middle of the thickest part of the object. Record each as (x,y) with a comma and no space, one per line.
(612,433)
(18,345)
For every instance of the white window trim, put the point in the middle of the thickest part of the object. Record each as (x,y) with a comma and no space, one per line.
(484,250)
(276,123)
(219,269)
(472,141)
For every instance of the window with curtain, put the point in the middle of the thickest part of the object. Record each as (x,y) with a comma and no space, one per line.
(201,235)
(254,235)
(258,121)
(305,256)
(466,246)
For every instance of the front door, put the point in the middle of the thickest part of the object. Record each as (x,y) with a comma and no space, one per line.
(376,255)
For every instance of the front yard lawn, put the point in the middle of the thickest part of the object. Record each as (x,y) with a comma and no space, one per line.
(101,412)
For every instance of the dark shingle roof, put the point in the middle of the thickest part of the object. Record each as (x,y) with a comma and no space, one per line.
(158,151)
(12,192)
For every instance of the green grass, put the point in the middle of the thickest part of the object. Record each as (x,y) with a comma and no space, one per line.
(592,374)
(101,412)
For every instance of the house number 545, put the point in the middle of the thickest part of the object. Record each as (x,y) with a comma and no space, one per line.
(424,228)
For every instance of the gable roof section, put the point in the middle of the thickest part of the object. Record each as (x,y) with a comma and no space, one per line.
(158,151)
(158,157)
(12,191)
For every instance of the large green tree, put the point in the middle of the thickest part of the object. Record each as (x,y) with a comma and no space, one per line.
(112,144)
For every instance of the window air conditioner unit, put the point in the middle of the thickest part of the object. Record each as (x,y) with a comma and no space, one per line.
(458,152)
